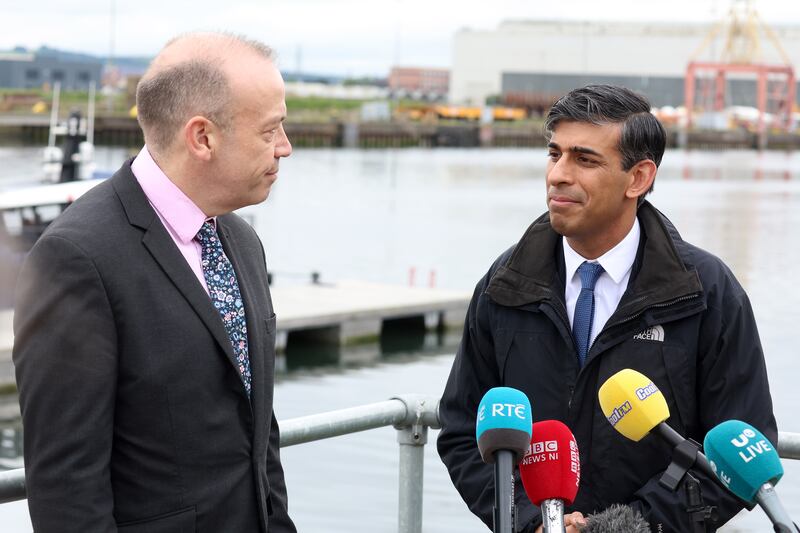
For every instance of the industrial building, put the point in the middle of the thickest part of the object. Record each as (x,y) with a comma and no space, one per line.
(428,83)
(23,69)
(543,59)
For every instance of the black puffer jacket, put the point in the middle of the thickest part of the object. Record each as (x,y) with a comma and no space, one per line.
(684,321)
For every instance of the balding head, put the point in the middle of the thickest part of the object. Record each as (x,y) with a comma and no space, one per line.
(191,76)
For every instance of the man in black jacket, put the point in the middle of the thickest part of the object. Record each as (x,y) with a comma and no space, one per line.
(656,304)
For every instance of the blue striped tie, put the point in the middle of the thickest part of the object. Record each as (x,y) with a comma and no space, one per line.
(584,308)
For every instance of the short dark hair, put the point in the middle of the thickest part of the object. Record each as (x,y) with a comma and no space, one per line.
(642,136)
(166,100)
(169,97)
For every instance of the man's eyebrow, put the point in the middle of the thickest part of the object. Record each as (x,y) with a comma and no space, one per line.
(272,121)
(578,149)
(585,150)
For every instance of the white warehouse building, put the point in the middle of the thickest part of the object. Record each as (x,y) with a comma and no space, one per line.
(549,58)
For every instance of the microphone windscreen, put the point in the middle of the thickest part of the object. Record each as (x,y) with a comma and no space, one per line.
(632,403)
(742,458)
(551,469)
(616,519)
(503,423)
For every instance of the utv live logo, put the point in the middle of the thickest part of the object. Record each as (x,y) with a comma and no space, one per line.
(751,449)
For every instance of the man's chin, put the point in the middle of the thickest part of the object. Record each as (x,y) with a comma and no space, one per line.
(558,224)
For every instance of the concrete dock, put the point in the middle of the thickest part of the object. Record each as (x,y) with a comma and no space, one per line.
(351,312)
(344,313)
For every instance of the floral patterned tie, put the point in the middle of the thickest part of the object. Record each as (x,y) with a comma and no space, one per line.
(225,295)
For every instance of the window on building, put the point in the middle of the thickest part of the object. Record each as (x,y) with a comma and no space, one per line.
(32,74)
(84,76)
(58,75)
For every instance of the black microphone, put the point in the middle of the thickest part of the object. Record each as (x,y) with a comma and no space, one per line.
(616,519)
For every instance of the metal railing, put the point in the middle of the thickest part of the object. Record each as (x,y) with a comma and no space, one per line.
(410,414)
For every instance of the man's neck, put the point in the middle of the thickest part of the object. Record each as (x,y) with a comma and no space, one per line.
(593,247)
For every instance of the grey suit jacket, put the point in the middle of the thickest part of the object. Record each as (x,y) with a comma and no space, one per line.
(135,417)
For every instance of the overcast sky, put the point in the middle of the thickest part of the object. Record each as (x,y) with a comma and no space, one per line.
(344,37)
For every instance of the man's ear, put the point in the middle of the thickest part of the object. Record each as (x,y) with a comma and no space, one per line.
(200,137)
(641,178)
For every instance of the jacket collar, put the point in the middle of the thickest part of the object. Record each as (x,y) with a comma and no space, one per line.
(533,273)
(161,246)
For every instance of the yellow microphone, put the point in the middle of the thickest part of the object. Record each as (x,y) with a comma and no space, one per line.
(635,406)
(632,404)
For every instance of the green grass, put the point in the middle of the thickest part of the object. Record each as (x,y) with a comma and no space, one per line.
(315,103)
(116,105)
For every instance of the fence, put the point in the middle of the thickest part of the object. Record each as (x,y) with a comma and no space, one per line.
(411,415)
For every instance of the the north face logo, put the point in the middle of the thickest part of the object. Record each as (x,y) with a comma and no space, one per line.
(654,333)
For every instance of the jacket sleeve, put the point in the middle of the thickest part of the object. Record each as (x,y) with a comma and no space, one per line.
(279,521)
(731,384)
(65,354)
(473,373)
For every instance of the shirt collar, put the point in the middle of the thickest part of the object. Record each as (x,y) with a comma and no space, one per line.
(173,206)
(616,262)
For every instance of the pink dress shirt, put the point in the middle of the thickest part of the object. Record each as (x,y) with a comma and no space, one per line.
(177,212)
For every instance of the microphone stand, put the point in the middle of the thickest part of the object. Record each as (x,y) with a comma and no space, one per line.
(505,512)
(774,510)
(552,516)
(684,457)
(700,513)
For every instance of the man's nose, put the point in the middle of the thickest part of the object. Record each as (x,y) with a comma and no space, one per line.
(283,147)
(559,172)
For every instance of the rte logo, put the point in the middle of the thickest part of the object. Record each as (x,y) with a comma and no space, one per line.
(516,410)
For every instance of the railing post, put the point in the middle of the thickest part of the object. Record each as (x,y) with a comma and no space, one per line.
(412,441)
(12,485)
(412,434)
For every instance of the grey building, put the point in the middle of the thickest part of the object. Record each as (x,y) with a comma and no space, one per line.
(660,90)
(547,58)
(21,69)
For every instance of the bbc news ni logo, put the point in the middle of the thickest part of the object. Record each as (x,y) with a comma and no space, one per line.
(541,452)
(547,446)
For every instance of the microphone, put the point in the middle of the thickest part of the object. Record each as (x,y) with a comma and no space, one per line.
(615,519)
(551,472)
(635,406)
(503,432)
(747,465)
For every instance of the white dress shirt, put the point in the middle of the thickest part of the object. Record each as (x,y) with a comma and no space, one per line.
(611,285)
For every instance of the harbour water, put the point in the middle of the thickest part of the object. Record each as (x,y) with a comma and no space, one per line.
(374,215)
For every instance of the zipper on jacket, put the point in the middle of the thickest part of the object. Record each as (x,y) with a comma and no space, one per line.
(641,312)
(561,312)
(623,321)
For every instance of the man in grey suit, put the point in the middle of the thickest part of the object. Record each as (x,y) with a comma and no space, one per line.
(144,327)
